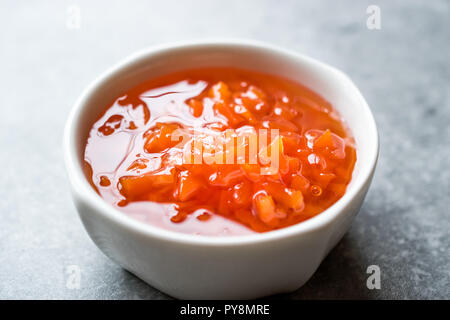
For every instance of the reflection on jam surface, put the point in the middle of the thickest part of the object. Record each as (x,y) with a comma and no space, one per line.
(136,161)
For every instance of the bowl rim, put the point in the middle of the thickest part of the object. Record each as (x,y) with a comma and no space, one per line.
(80,186)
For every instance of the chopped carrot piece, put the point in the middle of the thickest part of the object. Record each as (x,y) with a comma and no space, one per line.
(245,113)
(254,92)
(280,124)
(224,203)
(244,216)
(334,144)
(196,107)
(204,216)
(220,91)
(132,126)
(287,197)
(136,186)
(160,138)
(226,176)
(291,143)
(325,140)
(162,180)
(265,208)
(188,186)
(299,182)
(325,178)
(286,112)
(345,172)
(242,193)
(104,181)
(179,217)
(252,171)
(111,125)
(138,164)
(234,120)
(288,164)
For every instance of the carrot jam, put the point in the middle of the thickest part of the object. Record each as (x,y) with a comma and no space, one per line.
(220,151)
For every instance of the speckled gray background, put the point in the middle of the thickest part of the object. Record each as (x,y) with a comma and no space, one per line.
(403,70)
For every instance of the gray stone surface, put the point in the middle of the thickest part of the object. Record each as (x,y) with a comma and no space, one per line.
(403,70)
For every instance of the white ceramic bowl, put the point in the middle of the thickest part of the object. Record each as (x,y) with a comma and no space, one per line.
(238,267)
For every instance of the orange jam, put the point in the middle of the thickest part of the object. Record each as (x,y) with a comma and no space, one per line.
(220,151)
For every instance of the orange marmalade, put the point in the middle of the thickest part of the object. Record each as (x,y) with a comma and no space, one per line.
(220,151)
